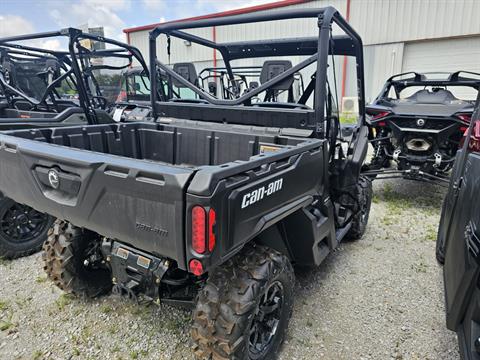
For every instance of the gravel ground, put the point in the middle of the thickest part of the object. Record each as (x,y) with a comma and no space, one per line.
(378,298)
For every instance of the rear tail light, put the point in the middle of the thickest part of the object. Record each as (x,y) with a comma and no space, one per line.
(375,116)
(465,117)
(212,218)
(475,138)
(203,229)
(380,115)
(199,229)
(196,267)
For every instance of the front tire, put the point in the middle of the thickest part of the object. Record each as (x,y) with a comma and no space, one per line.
(364,194)
(65,254)
(244,309)
(23,230)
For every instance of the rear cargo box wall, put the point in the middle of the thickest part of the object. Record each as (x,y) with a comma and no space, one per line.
(163,143)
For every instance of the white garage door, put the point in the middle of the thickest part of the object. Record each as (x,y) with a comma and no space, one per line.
(443,55)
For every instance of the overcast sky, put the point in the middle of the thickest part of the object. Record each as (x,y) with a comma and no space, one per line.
(29,16)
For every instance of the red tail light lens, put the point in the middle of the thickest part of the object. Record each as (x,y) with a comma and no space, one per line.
(198,229)
(212,218)
(196,267)
(380,115)
(465,117)
(475,138)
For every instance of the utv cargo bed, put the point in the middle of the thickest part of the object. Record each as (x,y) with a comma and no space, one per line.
(134,182)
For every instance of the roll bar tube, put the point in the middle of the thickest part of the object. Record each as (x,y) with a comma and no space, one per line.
(326,16)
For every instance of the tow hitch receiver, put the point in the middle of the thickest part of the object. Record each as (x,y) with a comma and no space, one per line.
(134,272)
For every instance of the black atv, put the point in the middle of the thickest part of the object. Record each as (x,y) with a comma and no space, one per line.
(417,123)
(458,244)
(210,204)
(43,88)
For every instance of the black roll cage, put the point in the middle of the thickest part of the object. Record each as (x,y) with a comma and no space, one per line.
(74,58)
(420,79)
(12,50)
(241,72)
(317,49)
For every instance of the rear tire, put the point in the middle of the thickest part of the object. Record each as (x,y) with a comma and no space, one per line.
(364,196)
(65,252)
(233,318)
(23,230)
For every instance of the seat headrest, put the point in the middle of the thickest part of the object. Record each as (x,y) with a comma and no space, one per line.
(187,71)
(439,96)
(273,68)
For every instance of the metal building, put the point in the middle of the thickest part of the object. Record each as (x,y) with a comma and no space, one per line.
(398,36)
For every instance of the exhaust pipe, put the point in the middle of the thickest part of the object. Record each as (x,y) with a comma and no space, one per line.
(418,145)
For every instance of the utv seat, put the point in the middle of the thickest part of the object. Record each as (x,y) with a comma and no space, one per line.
(441,96)
(273,68)
(187,71)
(270,70)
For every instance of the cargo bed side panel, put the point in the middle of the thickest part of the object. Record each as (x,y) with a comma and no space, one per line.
(249,202)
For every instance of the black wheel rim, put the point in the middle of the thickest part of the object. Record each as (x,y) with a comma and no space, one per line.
(21,223)
(266,320)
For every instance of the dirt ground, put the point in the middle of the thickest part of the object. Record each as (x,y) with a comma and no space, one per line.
(378,298)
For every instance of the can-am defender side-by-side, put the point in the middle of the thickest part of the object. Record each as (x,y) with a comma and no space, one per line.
(458,244)
(42,88)
(211,204)
(417,123)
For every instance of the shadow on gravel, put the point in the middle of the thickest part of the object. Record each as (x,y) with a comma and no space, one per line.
(409,194)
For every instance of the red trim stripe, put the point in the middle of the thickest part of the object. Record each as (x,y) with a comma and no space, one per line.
(268,6)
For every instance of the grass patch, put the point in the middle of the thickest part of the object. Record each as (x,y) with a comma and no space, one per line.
(37,355)
(175,324)
(106,309)
(431,234)
(6,325)
(86,334)
(41,279)
(63,301)
(421,267)
(23,302)
(3,305)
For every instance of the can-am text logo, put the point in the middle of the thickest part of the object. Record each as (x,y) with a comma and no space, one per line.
(260,193)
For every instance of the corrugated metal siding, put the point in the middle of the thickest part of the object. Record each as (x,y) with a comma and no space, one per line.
(443,55)
(386,21)
(381,62)
(377,21)
(384,26)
